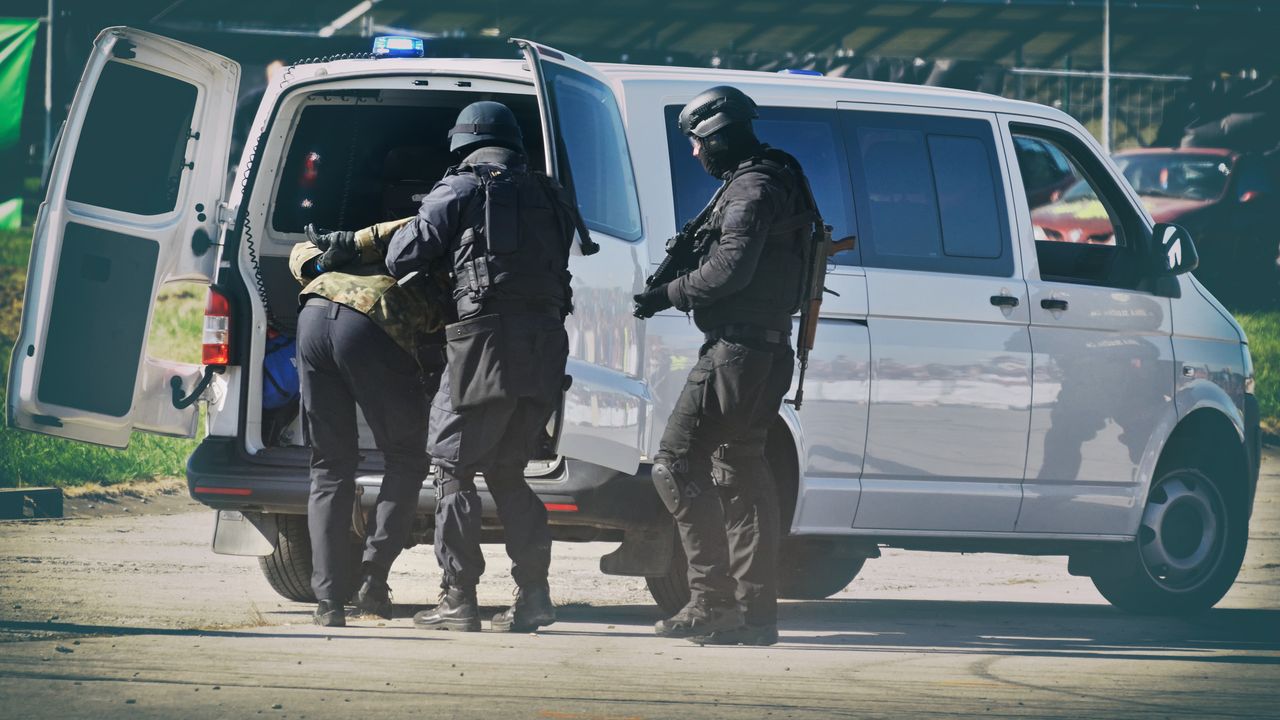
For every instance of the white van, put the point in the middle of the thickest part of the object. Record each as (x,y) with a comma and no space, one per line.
(984,380)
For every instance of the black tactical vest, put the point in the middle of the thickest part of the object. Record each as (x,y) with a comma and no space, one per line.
(776,290)
(515,252)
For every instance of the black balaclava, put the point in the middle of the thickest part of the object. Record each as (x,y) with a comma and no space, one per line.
(724,150)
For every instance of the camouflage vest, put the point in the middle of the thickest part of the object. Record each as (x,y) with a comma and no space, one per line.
(406,313)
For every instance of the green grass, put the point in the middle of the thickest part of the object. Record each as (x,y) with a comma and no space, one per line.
(1263,329)
(30,459)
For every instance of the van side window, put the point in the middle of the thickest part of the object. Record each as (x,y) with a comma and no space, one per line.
(147,178)
(808,134)
(928,192)
(1082,224)
(590,131)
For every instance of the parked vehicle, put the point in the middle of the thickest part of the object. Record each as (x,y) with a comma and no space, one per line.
(1223,198)
(975,387)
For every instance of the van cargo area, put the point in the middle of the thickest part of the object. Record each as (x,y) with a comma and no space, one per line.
(346,159)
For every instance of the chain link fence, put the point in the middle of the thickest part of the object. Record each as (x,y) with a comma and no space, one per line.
(1138,102)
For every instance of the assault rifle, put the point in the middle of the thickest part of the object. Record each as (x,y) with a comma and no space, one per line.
(815,286)
(686,249)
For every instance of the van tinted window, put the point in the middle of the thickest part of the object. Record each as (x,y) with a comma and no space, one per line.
(129,160)
(929,191)
(808,134)
(590,130)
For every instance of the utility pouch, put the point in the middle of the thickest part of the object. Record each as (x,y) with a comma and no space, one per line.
(501,216)
(474,352)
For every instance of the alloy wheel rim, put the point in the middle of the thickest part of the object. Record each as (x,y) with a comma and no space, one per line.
(1183,529)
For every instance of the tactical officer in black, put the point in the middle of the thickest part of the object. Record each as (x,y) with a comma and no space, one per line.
(505,233)
(710,468)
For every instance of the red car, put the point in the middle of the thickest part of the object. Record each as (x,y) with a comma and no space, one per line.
(1222,197)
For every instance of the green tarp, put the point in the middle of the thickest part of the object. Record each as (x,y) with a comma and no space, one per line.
(17,41)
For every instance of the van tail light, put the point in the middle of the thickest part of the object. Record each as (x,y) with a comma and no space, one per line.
(216,349)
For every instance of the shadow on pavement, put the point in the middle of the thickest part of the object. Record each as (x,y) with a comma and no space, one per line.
(1003,628)
(21,630)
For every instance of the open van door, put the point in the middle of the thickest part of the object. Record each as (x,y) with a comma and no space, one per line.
(586,151)
(132,203)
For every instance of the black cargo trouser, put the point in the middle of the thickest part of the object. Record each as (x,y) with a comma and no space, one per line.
(497,438)
(715,439)
(345,360)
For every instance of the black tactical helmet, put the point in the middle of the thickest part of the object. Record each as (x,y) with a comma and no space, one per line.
(486,123)
(714,109)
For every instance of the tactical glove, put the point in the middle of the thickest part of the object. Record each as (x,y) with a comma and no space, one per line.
(325,239)
(339,248)
(651,302)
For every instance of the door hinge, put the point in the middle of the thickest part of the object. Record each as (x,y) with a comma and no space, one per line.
(225,215)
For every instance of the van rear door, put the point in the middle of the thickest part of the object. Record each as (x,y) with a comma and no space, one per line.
(132,204)
(587,151)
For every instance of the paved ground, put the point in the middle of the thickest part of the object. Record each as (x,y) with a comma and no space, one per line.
(128,614)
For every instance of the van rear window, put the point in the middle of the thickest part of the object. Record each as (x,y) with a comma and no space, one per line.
(128,159)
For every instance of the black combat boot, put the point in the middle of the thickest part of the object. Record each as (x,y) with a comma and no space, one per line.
(457,610)
(374,597)
(700,617)
(330,613)
(744,635)
(532,609)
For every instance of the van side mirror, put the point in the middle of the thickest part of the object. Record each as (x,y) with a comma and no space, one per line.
(1175,252)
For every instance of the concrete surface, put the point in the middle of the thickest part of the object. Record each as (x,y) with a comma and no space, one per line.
(126,613)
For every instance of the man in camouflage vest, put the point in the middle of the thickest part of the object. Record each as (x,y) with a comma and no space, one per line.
(363,339)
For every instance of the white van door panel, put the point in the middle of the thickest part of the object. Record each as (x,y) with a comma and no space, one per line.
(131,205)
(1103,353)
(586,150)
(947,319)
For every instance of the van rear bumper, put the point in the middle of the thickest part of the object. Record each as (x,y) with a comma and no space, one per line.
(222,476)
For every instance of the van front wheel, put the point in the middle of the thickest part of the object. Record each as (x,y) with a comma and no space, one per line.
(1188,551)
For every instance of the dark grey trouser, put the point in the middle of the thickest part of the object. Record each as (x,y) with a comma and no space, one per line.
(345,359)
(497,439)
(716,437)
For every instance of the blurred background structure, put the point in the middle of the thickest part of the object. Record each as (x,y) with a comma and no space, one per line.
(1137,73)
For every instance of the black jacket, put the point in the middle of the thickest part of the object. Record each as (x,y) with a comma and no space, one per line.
(450,227)
(752,274)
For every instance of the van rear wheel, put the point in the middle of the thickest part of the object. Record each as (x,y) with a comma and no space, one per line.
(288,568)
(1189,549)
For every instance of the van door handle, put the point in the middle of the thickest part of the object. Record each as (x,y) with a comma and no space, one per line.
(1053,304)
(1004,301)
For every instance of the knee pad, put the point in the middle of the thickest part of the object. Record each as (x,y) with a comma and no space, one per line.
(673,485)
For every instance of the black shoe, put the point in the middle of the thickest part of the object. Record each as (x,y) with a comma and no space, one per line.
(457,610)
(745,635)
(330,613)
(532,609)
(374,597)
(700,618)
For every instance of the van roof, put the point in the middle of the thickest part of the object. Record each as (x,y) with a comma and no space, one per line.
(845,89)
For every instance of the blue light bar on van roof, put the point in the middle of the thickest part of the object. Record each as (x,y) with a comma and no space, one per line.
(395,46)
(797,71)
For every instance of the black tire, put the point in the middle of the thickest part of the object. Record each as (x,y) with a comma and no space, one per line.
(288,568)
(671,591)
(1190,546)
(813,570)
